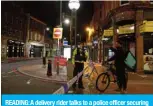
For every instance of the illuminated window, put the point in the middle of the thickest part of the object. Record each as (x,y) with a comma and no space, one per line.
(151,1)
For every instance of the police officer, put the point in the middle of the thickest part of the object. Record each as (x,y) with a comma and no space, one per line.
(83,52)
(79,60)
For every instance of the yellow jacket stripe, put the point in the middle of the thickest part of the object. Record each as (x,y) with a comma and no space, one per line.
(79,61)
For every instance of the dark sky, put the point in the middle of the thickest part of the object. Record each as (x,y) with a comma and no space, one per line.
(49,12)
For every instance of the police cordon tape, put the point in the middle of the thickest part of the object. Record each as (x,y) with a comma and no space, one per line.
(64,89)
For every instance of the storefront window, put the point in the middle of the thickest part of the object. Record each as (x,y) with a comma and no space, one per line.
(148,52)
(148,43)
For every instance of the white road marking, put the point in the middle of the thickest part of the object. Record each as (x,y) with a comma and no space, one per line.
(29,81)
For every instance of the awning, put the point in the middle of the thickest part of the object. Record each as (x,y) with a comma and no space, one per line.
(146,27)
(108,32)
(129,29)
(126,29)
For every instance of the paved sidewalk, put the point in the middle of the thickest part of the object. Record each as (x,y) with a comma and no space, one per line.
(39,71)
(137,84)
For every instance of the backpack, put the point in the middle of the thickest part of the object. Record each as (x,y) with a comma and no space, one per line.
(130,61)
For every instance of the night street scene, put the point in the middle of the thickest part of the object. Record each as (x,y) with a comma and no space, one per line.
(77,47)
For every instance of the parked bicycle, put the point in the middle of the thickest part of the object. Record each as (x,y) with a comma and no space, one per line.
(93,70)
(90,73)
(104,79)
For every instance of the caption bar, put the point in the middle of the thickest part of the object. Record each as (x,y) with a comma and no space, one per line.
(77,100)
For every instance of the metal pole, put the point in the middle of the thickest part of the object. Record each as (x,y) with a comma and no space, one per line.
(75,26)
(60,13)
(71,25)
(103,52)
(58,51)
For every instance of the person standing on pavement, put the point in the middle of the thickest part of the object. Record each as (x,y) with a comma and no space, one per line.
(119,58)
(85,53)
(78,67)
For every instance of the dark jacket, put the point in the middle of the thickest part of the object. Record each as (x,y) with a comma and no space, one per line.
(79,65)
(119,58)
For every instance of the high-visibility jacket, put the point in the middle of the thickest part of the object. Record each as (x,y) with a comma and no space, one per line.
(75,52)
(73,55)
(87,55)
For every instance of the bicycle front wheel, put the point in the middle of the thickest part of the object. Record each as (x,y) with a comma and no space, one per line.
(102,82)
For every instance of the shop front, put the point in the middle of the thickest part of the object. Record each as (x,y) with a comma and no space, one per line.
(127,36)
(15,48)
(147,32)
(34,49)
(107,43)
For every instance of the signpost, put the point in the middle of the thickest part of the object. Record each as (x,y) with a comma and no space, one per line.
(57,34)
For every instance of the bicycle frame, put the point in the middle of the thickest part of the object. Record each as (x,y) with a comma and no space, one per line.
(111,73)
(91,64)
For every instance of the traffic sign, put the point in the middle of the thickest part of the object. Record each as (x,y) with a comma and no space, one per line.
(57,34)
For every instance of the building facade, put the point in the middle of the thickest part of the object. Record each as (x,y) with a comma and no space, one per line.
(22,35)
(130,21)
(48,44)
(35,46)
(13,29)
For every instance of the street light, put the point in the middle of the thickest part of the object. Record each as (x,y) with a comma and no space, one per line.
(74,6)
(67,21)
(47,29)
(90,31)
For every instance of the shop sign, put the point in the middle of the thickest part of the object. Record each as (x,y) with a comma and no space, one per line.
(108,32)
(57,33)
(126,29)
(146,27)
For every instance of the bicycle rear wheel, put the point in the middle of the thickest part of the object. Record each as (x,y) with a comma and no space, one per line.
(102,82)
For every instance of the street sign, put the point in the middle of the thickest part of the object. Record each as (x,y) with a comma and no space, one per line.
(65,43)
(57,34)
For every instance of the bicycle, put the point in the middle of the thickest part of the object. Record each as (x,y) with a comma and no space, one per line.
(93,69)
(91,74)
(106,78)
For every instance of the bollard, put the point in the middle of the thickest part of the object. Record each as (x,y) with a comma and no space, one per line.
(49,69)
(57,67)
(44,62)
